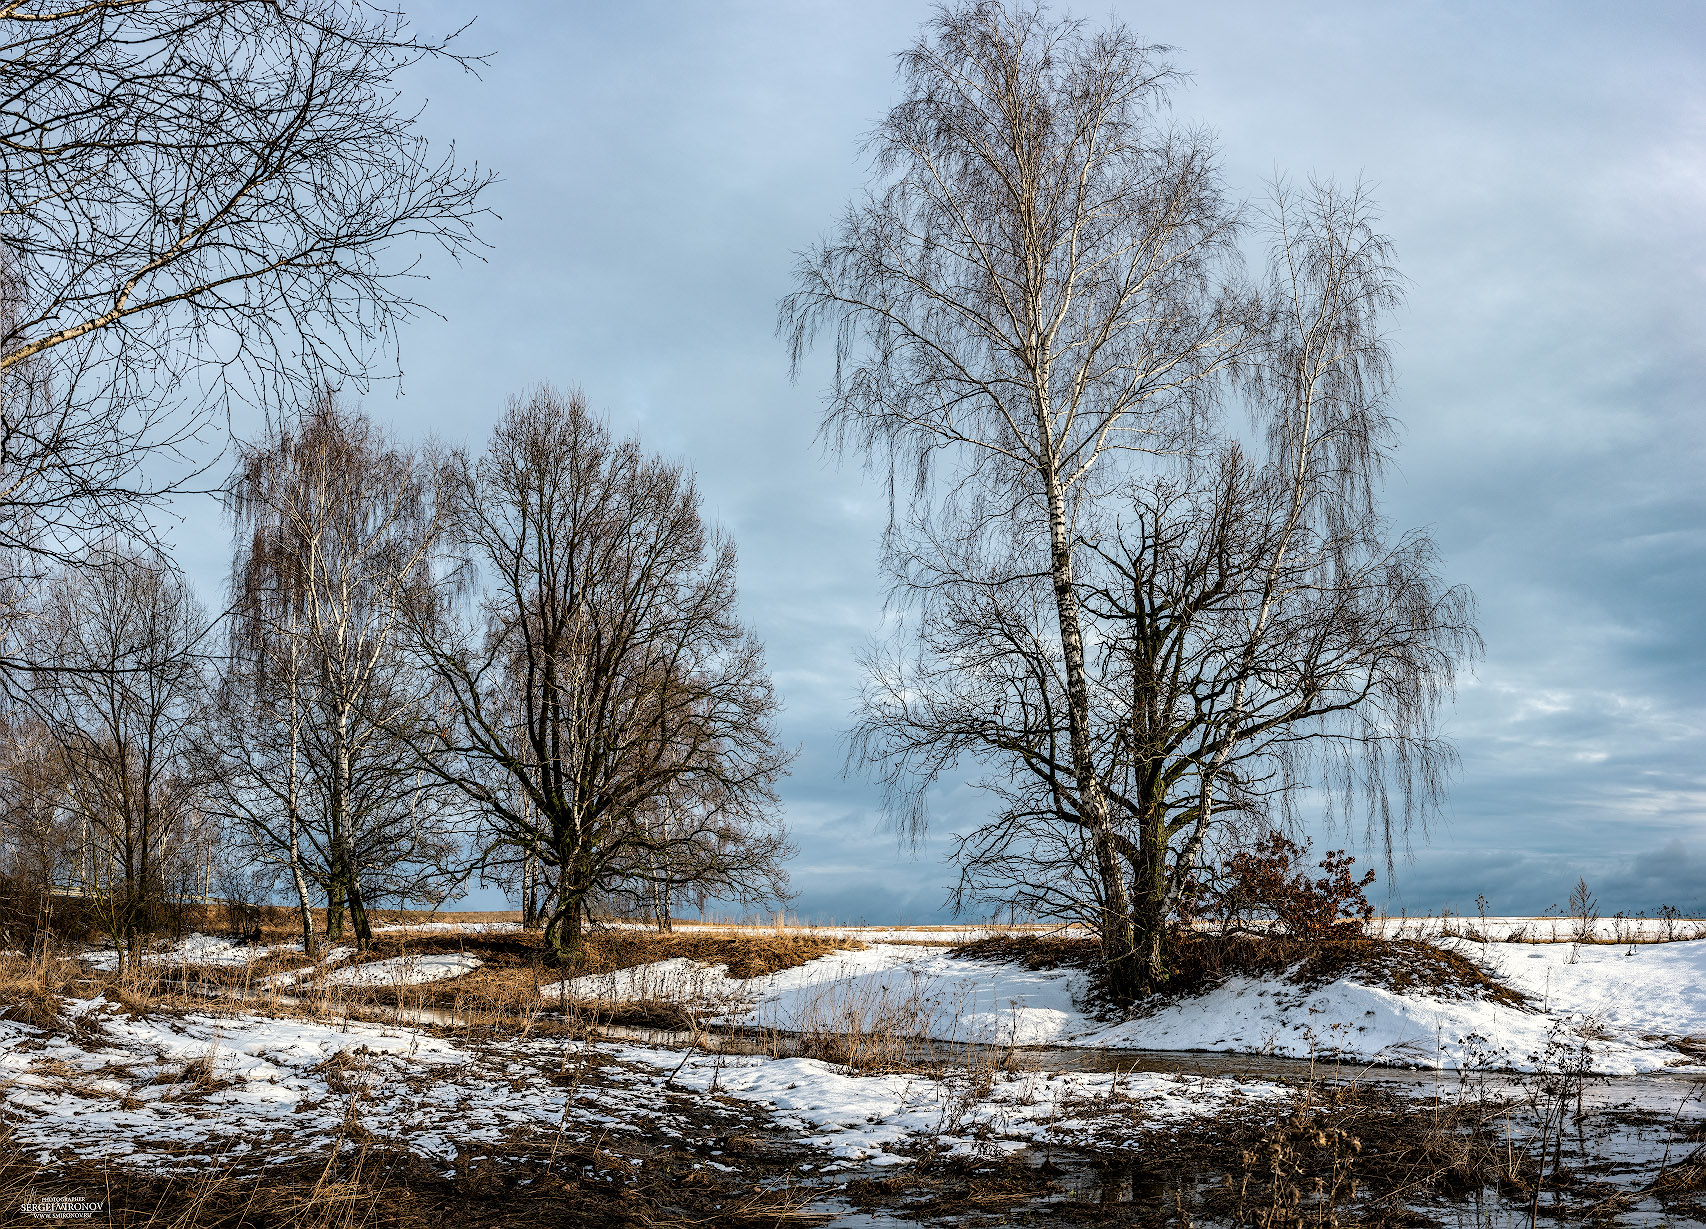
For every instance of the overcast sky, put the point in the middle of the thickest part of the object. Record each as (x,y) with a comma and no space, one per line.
(1542,169)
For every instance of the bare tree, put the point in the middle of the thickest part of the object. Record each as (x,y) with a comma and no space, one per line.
(122,710)
(1038,283)
(1147,634)
(197,198)
(41,849)
(609,677)
(339,532)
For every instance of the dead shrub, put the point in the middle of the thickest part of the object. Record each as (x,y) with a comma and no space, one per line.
(1265,889)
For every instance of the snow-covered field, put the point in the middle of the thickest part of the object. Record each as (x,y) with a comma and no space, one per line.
(178,1090)
(403,970)
(1615,1008)
(193,1089)
(1522,929)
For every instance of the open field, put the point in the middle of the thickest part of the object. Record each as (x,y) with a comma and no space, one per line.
(834,1068)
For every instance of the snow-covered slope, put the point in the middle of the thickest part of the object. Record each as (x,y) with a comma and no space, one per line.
(1605,1007)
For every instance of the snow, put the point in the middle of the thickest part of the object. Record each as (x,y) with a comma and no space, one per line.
(199,949)
(181,1090)
(1547,929)
(922,991)
(452,928)
(882,1119)
(195,949)
(291,977)
(1652,989)
(118,1086)
(404,970)
(677,980)
(1608,1007)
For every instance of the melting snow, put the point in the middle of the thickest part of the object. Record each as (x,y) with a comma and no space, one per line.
(1610,1006)
(403,970)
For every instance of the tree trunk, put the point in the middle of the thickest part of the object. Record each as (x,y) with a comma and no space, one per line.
(530,891)
(563,931)
(1119,952)
(357,910)
(310,943)
(310,947)
(1150,903)
(335,903)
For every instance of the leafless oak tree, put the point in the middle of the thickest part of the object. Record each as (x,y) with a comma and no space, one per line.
(608,681)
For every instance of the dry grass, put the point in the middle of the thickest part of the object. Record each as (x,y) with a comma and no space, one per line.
(1405,966)
(747,954)
(504,992)
(362,1187)
(514,969)
(1046,951)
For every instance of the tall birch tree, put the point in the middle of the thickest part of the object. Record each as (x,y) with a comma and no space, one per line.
(339,532)
(1039,281)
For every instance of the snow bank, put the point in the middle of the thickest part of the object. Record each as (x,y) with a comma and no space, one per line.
(291,977)
(918,991)
(194,949)
(1606,1007)
(452,928)
(1652,989)
(677,980)
(404,970)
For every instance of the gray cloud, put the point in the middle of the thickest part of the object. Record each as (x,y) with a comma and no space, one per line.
(1540,166)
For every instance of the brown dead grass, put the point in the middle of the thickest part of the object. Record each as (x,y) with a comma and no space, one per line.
(594,1187)
(1405,966)
(747,954)
(1201,961)
(506,989)
(1033,951)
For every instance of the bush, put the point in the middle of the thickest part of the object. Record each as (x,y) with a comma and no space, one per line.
(1266,884)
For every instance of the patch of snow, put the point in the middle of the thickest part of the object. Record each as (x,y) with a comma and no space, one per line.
(404,970)
(459,928)
(292,976)
(1650,989)
(289,1085)
(194,949)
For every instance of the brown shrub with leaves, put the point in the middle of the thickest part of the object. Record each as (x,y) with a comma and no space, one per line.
(1268,881)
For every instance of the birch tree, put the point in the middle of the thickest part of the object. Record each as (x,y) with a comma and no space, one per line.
(1151,629)
(339,534)
(1039,281)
